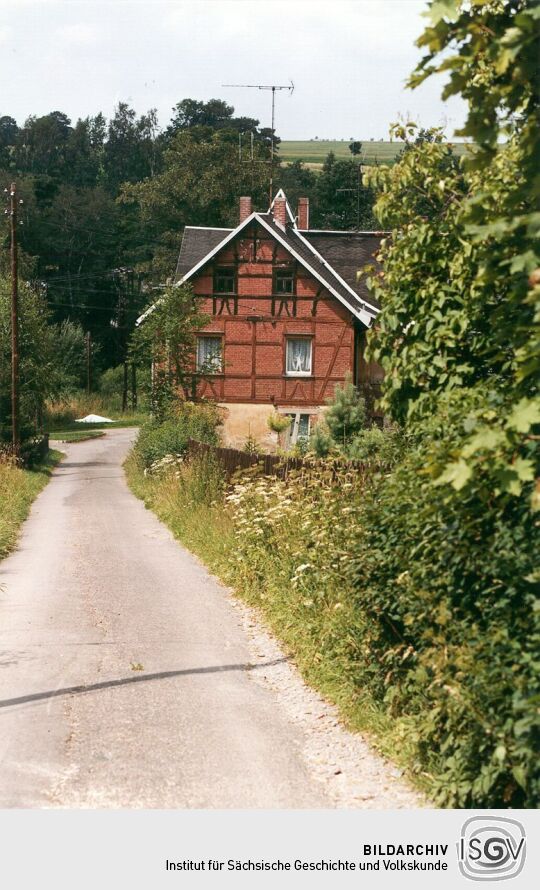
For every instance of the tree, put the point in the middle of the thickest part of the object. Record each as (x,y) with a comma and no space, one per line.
(39,372)
(346,415)
(297,181)
(190,114)
(200,185)
(166,340)
(71,355)
(8,139)
(355,147)
(446,565)
(132,149)
(342,200)
(462,311)
(42,143)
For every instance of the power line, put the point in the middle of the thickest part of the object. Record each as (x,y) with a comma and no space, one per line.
(14,322)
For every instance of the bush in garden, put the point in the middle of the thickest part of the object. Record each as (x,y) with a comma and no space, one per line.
(346,414)
(170,437)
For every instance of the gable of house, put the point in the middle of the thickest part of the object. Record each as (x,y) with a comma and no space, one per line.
(287,312)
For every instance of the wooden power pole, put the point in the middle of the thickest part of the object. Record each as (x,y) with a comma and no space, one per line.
(88,339)
(15,421)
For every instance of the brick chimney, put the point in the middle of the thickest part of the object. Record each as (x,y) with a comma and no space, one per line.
(303,213)
(280,211)
(245,207)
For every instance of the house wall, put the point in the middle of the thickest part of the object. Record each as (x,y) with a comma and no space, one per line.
(254,328)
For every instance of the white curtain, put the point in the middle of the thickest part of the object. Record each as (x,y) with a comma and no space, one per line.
(209,354)
(299,356)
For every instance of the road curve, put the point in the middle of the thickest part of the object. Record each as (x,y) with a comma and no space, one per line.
(125,675)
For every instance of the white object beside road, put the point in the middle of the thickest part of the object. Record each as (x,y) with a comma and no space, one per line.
(94,418)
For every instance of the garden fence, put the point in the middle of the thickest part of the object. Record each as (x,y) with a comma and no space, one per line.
(279,465)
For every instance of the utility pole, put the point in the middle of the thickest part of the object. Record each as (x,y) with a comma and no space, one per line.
(15,420)
(273,87)
(125,281)
(88,362)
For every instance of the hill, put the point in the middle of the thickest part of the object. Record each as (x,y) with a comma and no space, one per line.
(313,152)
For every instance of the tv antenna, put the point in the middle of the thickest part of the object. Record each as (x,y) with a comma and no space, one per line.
(273,87)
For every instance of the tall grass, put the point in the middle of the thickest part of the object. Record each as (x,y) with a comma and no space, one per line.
(62,414)
(188,498)
(18,488)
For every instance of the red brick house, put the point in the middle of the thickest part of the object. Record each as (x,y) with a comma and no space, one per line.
(288,316)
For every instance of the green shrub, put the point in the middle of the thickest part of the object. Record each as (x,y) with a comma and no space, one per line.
(444,581)
(376,446)
(346,414)
(188,421)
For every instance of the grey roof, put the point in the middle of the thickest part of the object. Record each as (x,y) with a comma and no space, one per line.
(347,253)
(333,257)
(328,267)
(196,244)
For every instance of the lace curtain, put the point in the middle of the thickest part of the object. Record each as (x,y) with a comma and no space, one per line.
(299,356)
(209,354)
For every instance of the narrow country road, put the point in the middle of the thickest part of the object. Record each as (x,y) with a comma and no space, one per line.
(126,678)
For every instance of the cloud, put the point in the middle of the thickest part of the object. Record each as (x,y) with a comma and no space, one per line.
(79,34)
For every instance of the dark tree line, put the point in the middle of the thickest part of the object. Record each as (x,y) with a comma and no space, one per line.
(102,197)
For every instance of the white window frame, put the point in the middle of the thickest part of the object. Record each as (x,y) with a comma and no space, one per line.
(292,432)
(199,367)
(309,372)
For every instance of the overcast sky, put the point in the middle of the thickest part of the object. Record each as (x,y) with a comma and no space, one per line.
(348,60)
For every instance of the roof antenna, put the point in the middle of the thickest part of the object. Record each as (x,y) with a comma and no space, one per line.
(273,87)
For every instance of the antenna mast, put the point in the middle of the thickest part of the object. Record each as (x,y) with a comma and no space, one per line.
(273,87)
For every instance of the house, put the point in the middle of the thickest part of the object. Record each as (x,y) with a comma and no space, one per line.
(288,317)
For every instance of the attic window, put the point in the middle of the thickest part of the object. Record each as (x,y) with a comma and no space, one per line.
(284,282)
(224,280)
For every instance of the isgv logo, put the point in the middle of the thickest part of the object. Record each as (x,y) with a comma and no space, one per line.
(491,848)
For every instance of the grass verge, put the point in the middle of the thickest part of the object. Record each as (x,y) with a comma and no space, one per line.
(18,488)
(314,638)
(76,435)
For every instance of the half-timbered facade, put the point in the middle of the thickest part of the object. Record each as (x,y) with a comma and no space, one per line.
(288,317)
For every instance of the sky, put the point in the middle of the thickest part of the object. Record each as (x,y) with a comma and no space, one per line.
(348,60)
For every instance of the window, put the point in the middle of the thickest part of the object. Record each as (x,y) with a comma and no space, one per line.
(209,355)
(224,281)
(299,430)
(284,282)
(298,356)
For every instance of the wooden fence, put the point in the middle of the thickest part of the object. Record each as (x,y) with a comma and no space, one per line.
(278,465)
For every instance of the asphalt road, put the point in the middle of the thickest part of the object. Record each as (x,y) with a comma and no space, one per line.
(125,674)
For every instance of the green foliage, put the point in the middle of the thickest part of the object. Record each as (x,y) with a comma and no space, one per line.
(111,382)
(378,446)
(445,574)
(320,441)
(71,352)
(341,199)
(445,585)
(40,370)
(18,488)
(251,446)
(346,414)
(460,290)
(278,423)
(166,341)
(158,439)
(201,180)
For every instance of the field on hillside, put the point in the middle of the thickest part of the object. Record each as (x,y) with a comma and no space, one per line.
(313,153)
